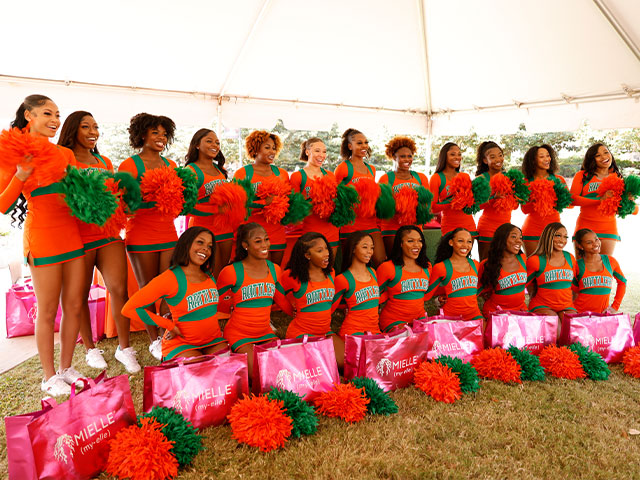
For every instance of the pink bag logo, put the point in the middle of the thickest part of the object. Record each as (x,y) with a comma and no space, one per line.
(284,379)
(384,367)
(217,395)
(64,445)
(287,379)
(443,348)
(33,313)
(406,365)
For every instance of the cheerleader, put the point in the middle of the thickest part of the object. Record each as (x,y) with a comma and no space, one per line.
(596,272)
(404,279)
(539,162)
(190,291)
(52,244)
(206,160)
(503,274)
(358,287)
(447,169)
(353,168)
(308,281)
(263,148)
(150,236)
(249,286)
(314,153)
(80,134)
(401,151)
(455,275)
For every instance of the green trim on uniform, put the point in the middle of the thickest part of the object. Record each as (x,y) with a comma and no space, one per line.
(330,332)
(101,243)
(201,313)
(11,207)
(247,341)
(276,247)
(388,233)
(368,231)
(172,354)
(53,188)
(99,157)
(485,239)
(609,236)
(221,238)
(334,244)
(154,247)
(392,325)
(531,238)
(53,259)
(181,278)
(199,213)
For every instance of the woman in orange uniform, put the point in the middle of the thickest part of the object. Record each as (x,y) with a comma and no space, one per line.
(206,160)
(596,272)
(190,291)
(503,274)
(404,279)
(80,134)
(249,286)
(308,281)
(448,168)
(263,148)
(401,151)
(150,236)
(538,162)
(314,152)
(455,275)
(550,274)
(358,287)
(353,150)
(52,244)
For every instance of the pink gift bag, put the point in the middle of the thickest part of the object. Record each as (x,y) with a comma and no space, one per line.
(451,336)
(520,329)
(202,389)
(636,329)
(388,358)
(22,309)
(306,366)
(608,334)
(97,299)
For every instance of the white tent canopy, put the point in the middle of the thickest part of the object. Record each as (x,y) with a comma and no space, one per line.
(413,66)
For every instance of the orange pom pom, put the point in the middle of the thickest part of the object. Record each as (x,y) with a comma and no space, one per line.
(497,364)
(323,192)
(609,206)
(438,381)
(502,190)
(231,200)
(164,187)
(368,191)
(461,192)
(345,401)
(279,190)
(260,422)
(142,453)
(406,205)
(543,196)
(631,361)
(118,220)
(561,362)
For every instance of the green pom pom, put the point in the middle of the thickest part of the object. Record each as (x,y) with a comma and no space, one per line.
(563,195)
(246,184)
(346,199)
(131,196)
(87,196)
(303,415)
(631,188)
(481,193)
(529,363)
(520,188)
(468,375)
(380,403)
(423,212)
(190,184)
(594,365)
(188,442)
(386,204)
(299,209)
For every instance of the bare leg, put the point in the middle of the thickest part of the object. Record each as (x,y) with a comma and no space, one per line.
(215,348)
(338,346)
(222,257)
(483,250)
(530,247)
(85,321)
(388,244)
(276,257)
(607,246)
(146,266)
(112,263)
(248,349)
(73,283)
(378,249)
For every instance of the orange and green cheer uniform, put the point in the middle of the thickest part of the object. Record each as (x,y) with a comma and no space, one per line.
(389,227)
(594,288)
(403,294)
(460,288)
(313,302)
(347,175)
(202,214)
(362,300)
(451,218)
(553,283)
(276,233)
(51,234)
(509,295)
(491,218)
(313,223)
(148,230)
(193,306)
(251,300)
(534,223)
(585,195)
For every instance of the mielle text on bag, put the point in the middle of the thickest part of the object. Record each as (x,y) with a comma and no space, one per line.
(521,329)
(451,336)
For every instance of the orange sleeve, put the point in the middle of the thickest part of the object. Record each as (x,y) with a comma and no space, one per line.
(289,285)
(424,180)
(434,186)
(385,272)
(576,192)
(129,166)
(437,275)
(621,283)
(162,286)
(341,171)
(384,179)
(533,265)
(296,181)
(279,297)
(240,174)
(342,287)
(10,194)
(225,281)
(68,155)
(282,173)
(108,162)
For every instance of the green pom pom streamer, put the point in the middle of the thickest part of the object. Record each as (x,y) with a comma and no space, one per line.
(346,200)
(246,184)
(299,209)
(563,195)
(631,189)
(131,190)
(190,184)
(87,196)
(594,365)
(423,211)
(188,442)
(468,375)
(386,204)
(520,189)
(303,416)
(529,363)
(380,403)
(481,193)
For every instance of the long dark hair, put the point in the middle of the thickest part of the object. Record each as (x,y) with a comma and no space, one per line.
(69,130)
(242,235)
(442,156)
(589,163)
(396,252)
(299,263)
(482,151)
(180,256)
(445,250)
(193,152)
(545,244)
(498,245)
(529,162)
(352,242)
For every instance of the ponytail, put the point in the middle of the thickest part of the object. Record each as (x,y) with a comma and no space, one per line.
(29,103)
(305,145)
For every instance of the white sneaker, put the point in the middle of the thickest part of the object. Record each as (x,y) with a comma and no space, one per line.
(127,357)
(55,386)
(95,359)
(70,375)
(156,348)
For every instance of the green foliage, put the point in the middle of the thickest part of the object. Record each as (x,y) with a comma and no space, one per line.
(299,209)
(520,189)
(563,195)
(131,196)
(592,363)
(529,363)
(631,192)
(87,196)
(380,403)
(190,184)
(469,382)
(303,416)
(481,193)
(423,211)
(386,204)
(346,200)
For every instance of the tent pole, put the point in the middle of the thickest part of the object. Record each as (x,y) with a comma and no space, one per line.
(622,33)
(218,116)
(425,54)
